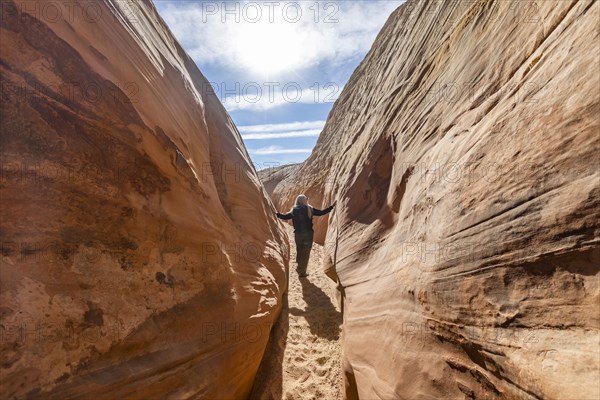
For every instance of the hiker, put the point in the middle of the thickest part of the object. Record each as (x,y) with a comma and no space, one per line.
(301,215)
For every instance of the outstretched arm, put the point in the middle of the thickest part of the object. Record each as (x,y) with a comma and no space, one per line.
(318,212)
(284,216)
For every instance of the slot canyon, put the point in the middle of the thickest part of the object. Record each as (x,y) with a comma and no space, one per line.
(142,257)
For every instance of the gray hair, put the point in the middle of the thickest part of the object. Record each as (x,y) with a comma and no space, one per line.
(302,200)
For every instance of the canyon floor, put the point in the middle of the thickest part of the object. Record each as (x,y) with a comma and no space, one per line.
(304,353)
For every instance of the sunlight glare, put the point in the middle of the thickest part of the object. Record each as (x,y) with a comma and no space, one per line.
(269,47)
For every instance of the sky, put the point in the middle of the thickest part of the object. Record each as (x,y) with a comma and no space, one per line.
(277,66)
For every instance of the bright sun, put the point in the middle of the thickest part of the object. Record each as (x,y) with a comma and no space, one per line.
(269,47)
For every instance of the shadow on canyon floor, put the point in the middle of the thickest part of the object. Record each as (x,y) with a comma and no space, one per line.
(322,317)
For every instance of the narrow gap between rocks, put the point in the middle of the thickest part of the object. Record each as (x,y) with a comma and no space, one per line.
(303,357)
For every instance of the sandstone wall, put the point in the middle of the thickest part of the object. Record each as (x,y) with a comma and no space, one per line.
(140,255)
(272,178)
(463,153)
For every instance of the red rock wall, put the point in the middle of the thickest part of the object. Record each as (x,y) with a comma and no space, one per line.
(463,153)
(140,256)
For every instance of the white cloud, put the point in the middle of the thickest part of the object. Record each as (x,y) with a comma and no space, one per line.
(272,97)
(281,135)
(290,126)
(278,150)
(271,38)
(280,131)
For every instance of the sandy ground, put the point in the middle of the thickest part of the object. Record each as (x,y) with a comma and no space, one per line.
(303,355)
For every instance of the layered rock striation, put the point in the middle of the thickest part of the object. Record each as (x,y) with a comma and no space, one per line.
(463,153)
(140,254)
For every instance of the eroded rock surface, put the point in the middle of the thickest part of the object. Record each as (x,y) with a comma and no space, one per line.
(463,154)
(274,177)
(140,256)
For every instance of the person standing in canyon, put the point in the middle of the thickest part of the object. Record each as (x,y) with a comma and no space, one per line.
(301,215)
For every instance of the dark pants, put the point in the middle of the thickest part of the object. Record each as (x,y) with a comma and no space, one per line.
(304,241)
